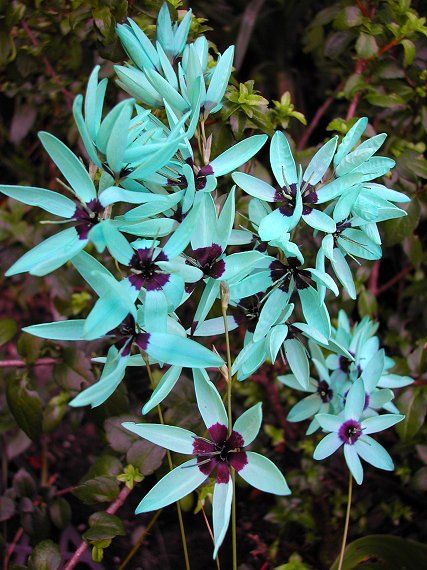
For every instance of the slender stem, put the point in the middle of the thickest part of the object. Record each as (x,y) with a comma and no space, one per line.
(12,547)
(44,462)
(22,364)
(140,540)
(224,306)
(208,526)
(347,521)
(170,463)
(112,509)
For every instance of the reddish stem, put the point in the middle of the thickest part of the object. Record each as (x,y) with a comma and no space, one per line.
(393,280)
(315,121)
(363,9)
(112,509)
(11,548)
(22,364)
(373,279)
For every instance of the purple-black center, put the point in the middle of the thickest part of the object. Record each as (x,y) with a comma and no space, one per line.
(145,272)
(283,272)
(350,431)
(208,260)
(87,216)
(200,175)
(126,334)
(220,452)
(286,199)
(247,312)
(324,392)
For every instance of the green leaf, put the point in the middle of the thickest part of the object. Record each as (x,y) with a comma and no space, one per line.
(366,46)
(8,330)
(395,231)
(54,412)
(103,526)
(25,406)
(412,403)
(45,556)
(29,347)
(98,490)
(105,465)
(387,551)
(60,512)
(408,52)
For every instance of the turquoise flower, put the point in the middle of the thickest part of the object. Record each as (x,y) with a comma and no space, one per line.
(160,79)
(166,347)
(213,456)
(297,193)
(87,210)
(126,147)
(351,432)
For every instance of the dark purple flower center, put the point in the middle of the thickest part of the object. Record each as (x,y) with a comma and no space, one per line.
(126,334)
(286,199)
(350,431)
(220,452)
(208,259)
(246,312)
(283,272)
(200,175)
(324,392)
(87,216)
(145,271)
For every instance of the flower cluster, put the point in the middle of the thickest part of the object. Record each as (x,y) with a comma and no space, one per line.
(147,199)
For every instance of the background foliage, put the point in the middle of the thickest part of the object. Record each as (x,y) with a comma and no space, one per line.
(66,472)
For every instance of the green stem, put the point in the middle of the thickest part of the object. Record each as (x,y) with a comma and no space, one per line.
(347,521)
(170,463)
(224,306)
(140,540)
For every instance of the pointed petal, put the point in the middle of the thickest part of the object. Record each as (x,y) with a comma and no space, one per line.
(179,351)
(163,388)
(282,161)
(320,162)
(262,474)
(49,254)
(61,330)
(209,401)
(70,166)
(50,201)
(380,423)
(327,446)
(237,155)
(249,423)
(355,401)
(170,437)
(304,409)
(221,510)
(353,463)
(178,483)
(319,221)
(254,186)
(374,453)
(219,80)
(297,359)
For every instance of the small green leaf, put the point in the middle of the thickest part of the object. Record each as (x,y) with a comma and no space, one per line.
(98,490)
(412,403)
(45,556)
(366,46)
(103,526)
(388,551)
(8,330)
(25,405)
(60,512)
(408,52)
(29,347)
